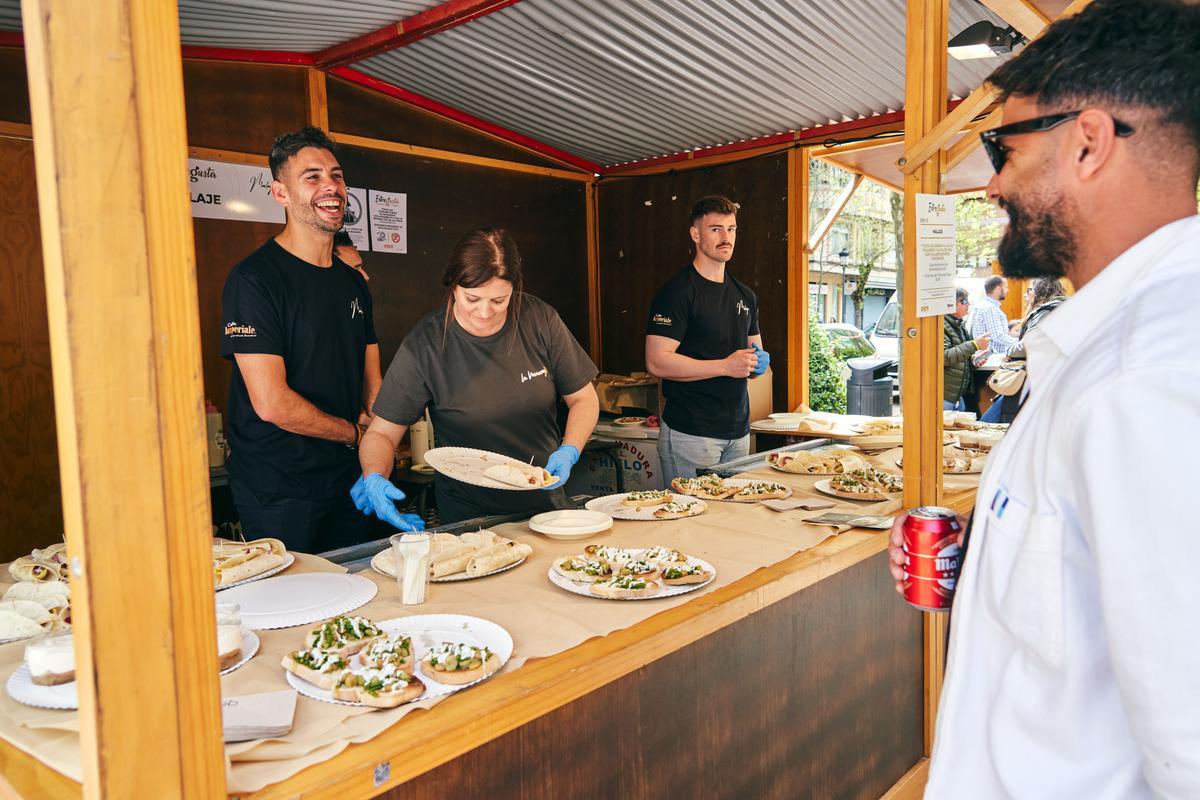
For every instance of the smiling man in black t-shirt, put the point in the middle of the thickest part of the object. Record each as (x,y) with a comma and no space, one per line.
(702,340)
(299,329)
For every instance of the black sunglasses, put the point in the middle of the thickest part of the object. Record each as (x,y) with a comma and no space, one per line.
(998,153)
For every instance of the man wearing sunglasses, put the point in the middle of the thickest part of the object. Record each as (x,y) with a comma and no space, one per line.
(1075,641)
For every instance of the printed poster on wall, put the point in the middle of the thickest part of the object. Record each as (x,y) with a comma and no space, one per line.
(231,191)
(356,218)
(389,221)
(936,254)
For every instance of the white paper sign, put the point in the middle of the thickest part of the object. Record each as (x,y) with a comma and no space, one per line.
(936,254)
(232,191)
(389,221)
(356,218)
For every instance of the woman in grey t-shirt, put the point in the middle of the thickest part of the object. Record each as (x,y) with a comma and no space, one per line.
(490,368)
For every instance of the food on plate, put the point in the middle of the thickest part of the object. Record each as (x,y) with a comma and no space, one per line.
(664,556)
(385,687)
(678,510)
(229,635)
(958,419)
(988,438)
(396,650)
(522,475)
(318,667)
(957,460)
(52,596)
(46,565)
(625,587)
(605,552)
(496,557)
(51,659)
(234,562)
(640,568)
(706,487)
(680,574)
(629,420)
(866,484)
(819,461)
(583,569)
(28,609)
(343,635)
(446,560)
(874,427)
(757,491)
(14,625)
(458,663)
(650,497)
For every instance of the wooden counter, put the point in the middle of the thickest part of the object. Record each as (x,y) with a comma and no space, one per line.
(805,676)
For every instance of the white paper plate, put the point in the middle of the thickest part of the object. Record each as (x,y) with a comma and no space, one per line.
(822,486)
(22,689)
(249,648)
(291,600)
(576,587)
(774,425)
(788,417)
(611,505)
(570,523)
(383,567)
(426,630)
(629,422)
(740,482)
(288,560)
(467,465)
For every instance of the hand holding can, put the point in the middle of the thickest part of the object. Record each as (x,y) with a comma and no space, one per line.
(924,552)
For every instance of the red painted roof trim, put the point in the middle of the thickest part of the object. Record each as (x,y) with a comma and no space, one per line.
(412,29)
(252,56)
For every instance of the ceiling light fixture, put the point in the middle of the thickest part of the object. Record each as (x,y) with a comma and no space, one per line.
(984,40)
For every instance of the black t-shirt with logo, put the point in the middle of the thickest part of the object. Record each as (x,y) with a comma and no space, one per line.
(496,393)
(709,320)
(319,320)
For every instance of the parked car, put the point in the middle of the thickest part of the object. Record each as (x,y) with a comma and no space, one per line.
(847,341)
(885,336)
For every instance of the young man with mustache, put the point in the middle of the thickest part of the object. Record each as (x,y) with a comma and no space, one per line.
(300,333)
(1075,638)
(702,340)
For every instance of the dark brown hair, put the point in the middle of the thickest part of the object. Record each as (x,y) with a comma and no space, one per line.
(479,257)
(712,204)
(288,144)
(1045,288)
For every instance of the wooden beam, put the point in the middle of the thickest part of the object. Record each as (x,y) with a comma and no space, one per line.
(441,17)
(967,144)
(912,785)
(106,96)
(228,156)
(595,340)
(915,154)
(318,99)
(797,286)
(1021,14)
(921,337)
(16,130)
(839,205)
(460,158)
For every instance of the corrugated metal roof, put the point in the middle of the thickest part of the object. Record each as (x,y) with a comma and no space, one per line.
(618,80)
(627,80)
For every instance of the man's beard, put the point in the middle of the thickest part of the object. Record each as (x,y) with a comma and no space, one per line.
(1036,242)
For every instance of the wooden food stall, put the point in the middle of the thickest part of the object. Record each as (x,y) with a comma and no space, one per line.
(842,696)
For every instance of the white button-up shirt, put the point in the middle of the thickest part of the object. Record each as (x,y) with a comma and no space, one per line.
(1074,659)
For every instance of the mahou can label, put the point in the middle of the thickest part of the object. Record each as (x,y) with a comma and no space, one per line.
(931,557)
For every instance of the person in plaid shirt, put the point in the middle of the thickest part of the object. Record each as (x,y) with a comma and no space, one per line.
(989,319)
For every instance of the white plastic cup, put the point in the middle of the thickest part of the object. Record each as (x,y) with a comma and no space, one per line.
(412,551)
(418,441)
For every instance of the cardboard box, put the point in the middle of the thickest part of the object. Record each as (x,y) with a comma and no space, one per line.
(760,388)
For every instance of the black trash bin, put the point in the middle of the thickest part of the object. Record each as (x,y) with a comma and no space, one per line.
(869,387)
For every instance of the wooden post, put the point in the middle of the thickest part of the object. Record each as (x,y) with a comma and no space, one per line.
(106,95)
(797,286)
(318,99)
(921,338)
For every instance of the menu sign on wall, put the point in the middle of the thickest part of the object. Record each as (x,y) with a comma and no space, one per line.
(389,221)
(936,254)
(231,191)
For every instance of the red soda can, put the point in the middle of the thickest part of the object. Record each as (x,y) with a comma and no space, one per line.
(931,557)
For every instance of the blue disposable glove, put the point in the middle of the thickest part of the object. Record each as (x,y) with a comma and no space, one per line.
(559,464)
(358,493)
(764,359)
(380,495)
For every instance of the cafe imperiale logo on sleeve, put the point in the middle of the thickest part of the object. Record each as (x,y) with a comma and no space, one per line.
(235,330)
(661,319)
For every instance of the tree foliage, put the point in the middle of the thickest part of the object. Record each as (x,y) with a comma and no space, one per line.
(826,389)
